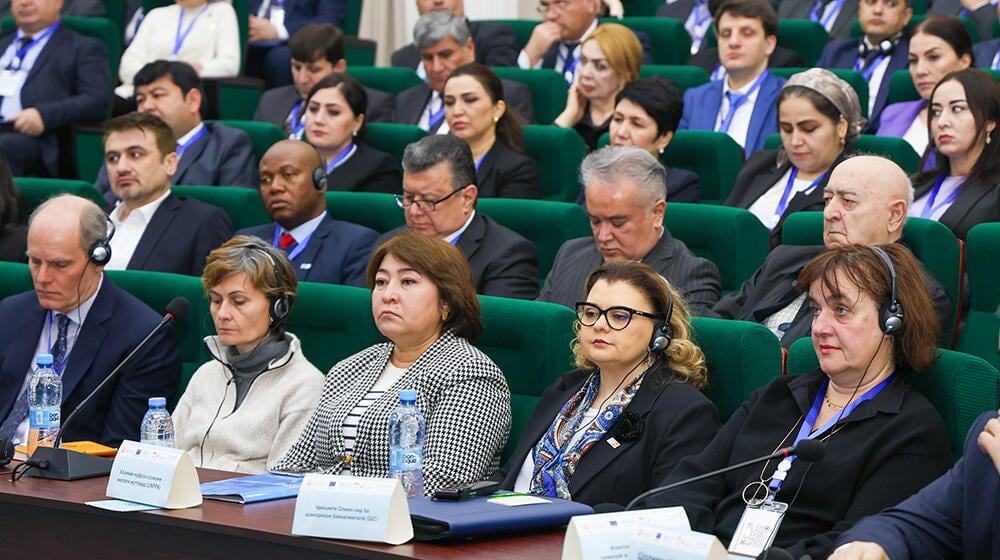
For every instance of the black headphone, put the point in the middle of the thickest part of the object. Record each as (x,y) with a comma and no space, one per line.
(885,47)
(890,316)
(319,174)
(6,451)
(281,305)
(100,251)
(665,332)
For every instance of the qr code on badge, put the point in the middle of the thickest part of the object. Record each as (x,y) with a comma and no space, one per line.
(754,535)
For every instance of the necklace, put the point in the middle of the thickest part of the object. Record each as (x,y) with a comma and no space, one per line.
(831,404)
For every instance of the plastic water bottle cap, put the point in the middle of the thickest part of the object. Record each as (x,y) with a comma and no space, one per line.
(157,401)
(44,360)
(408,395)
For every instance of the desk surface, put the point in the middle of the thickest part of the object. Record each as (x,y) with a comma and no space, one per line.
(213,530)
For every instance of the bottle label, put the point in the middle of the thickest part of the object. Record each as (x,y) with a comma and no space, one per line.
(42,418)
(405,459)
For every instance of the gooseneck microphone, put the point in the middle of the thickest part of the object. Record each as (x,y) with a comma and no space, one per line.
(808,450)
(61,464)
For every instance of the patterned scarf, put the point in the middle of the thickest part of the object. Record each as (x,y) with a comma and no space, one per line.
(556,453)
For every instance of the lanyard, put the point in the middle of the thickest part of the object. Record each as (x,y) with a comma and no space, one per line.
(480,160)
(180,37)
(826,20)
(867,71)
(736,100)
(719,73)
(182,147)
(298,248)
(21,52)
(434,117)
(783,203)
(340,157)
(695,23)
(929,207)
(296,123)
(61,365)
(569,62)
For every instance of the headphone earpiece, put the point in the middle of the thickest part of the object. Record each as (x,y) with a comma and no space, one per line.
(890,316)
(665,332)
(6,451)
(281,305)
(319,178)
(100,251)
(885,47)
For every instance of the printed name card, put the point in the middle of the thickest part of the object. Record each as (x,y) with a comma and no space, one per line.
(608,536)
(650,543)
(352,508)
(154,475)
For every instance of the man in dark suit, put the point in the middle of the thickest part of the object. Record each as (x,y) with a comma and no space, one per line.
(208,153)
(867,198)
(987,54)
(155,229)
(626,199)
(445,44)
(881,51)
(321,249)
(88,324)
(272,22)
(76,8)
(317,51)
(496,44)
(53,77)
(836,16)
(952,517)
(439,200)
(981,12)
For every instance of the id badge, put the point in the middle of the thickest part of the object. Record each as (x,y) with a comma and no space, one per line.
(757,528)
(10,82)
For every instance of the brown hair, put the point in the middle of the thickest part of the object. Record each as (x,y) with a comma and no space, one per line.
(446,267)
(621,47)
(682,356)
(913,348)
(166,142)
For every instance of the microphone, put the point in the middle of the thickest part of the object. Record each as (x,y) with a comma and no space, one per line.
(64,464)
(808,450)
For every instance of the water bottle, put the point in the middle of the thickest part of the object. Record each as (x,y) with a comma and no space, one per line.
(406,444)
(157,426)
(44,402)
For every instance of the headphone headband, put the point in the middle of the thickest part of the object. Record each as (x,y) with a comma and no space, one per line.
(891,315)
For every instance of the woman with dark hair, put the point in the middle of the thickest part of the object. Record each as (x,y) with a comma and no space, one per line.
(646,115)
(242,410)
(938,45)
(335,124)
(424,301)
(13,232)
(883,440)
(961,191)
(477,113)
(819,115)
(614,428)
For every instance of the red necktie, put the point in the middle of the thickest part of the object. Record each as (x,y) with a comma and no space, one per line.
(285,240)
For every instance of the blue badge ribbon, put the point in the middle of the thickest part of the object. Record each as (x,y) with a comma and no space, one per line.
(735,100)
(930,207)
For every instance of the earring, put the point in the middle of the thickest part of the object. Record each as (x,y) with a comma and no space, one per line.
(355,133)
(987,138)
(444,315)
(661,151)
(843,140)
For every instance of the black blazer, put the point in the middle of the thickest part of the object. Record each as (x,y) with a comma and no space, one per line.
(496,45)
(665,422)
(410,103)
(179,237)
(13,244)
(974,205)
(368,170)
(508,174)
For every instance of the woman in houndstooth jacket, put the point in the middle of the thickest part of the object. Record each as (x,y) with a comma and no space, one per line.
(424,302)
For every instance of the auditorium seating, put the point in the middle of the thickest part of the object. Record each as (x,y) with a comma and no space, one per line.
(392,80)
(558,153)
(243,206)
(982,253)
(684,76)
(393,138)
(715,157)
(377,211)
(14,279)
(548,90)
(263,135)
(332,322)
(669,41)
(36,190)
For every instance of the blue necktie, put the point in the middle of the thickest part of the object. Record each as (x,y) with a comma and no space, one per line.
(20,410)
(59,350)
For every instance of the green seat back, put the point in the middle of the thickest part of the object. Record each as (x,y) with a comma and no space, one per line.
(377,211)
(393,138)
(548,90)
(89,152)
(392,80)
(98,28)
(263,135)
(237,97)
(715,157)
(804,36)
(669,41)
(243,206)
(14,279)
(741,357)
(684,76)
(558,153)
(115,11)
(736,241)
(36,190)
(982,253)
(529,340)
(896,149)
(960,386)
(522,28)
(854,79)
(332,322)
(352,20)
(901,88)
(359,52)
(545,223)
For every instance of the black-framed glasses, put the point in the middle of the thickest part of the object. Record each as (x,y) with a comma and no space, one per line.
(618,317)
(404,201)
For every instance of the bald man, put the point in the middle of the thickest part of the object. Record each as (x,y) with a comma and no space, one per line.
(321,249)
(866,201)
(87,323)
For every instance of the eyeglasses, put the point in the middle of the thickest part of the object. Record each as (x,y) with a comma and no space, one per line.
(618,317)
(405,201)
(558,5)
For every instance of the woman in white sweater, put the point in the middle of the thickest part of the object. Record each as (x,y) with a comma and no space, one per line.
(203,33)
(244,409)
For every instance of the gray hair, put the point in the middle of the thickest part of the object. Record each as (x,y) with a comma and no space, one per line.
(611,163)
(442,148)
(437,25)
(93,220)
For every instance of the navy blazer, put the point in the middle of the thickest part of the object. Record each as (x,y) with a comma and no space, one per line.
(953,517)
(496,45)
(982,16)
(368,170)
(505,173)
(671,421)
(975,204)
(702,104)
(116,323)
(800,9)
(300,12)
(984,52)
(411,103)
(844,54)
(223,156)
(337,252)
(276,104)
(179,237)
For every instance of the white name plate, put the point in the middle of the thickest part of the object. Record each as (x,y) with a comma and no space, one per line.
(154,475)
(352,508)
(650,543)
(608,536)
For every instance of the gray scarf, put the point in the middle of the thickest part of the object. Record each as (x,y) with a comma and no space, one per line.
(247,367)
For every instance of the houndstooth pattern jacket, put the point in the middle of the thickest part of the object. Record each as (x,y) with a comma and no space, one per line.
(461,393)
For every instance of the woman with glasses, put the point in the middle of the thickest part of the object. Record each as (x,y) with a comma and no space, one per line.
(616,427)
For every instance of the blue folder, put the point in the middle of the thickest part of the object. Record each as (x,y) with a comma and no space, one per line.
(434,520)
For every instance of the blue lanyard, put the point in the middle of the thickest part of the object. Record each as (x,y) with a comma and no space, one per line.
(480,160)
(569,63)
(182,147)
(783,202)
(434,117)
(20,53)
(61,365)
(299,247)
(996,61)
(929,207)
(825,21)
(695,23)
(296,123)
(272,5)
(806,430)
(870,69)
(736,101)
(340,157)
(179,37)
(719,73)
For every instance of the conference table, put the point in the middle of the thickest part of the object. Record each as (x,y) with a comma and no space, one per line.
(49,519)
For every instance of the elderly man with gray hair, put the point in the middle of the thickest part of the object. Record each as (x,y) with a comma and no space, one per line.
(626,199)
(444,43)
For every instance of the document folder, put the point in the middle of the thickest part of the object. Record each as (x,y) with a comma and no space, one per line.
(434,520)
